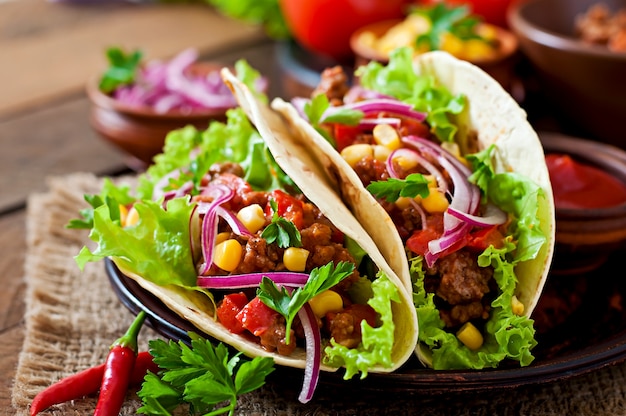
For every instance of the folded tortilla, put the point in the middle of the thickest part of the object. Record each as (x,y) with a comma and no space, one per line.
(494,118)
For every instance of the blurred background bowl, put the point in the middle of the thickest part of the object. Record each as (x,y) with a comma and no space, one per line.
(139,132)
(499,66)
(586,237)
(584,84)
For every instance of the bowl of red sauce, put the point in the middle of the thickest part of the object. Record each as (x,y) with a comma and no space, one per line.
(589,185)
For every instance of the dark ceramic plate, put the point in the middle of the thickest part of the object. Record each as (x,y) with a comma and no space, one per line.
(580,321)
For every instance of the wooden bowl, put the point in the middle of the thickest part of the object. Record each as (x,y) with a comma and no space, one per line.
(500,66)
(140,132)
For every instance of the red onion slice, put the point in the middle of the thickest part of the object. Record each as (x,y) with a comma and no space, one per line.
(313,353)
(493,216)
(379,105)
(238,281)
(234,223)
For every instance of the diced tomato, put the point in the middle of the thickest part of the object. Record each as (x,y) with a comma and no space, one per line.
(344,135)
(289,208)
(228,309)
(418,241)
(256,316)
(411,127)
(486,237)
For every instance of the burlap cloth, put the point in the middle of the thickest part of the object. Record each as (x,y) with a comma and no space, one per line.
(72,317)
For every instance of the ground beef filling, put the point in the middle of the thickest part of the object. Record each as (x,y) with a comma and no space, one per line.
(324,243)
(460,285)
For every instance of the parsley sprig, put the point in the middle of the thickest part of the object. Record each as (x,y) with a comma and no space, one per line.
(392,189)
(455,20)
(288,305)
(281,230)
(122,69)
(200,377)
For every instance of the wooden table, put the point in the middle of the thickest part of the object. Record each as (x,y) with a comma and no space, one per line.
(48,51)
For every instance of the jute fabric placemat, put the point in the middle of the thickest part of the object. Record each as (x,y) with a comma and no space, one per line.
(72,317)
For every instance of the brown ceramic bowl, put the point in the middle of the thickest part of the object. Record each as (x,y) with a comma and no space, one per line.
(499,67)
(140,132)
(585,238)
(584,83)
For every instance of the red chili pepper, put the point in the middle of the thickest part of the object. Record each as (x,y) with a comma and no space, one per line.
(85,383)
(118,369)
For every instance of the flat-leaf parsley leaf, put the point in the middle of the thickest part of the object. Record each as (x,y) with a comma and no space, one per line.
(200,377)
(413,185)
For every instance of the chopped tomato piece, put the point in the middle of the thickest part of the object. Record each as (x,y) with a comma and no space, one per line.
(228,309)
(256,316)
(418,241)
(483,238)
(344,135)
(289,208)
(410,127)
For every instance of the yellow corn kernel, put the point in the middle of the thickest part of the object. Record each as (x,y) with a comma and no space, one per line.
(435,202)
(227,255)
(469,335)
(294,259)
(403,202)
(405,163)
(387,136)
(327,301)
(356,152)
(123,214)
(381,153)
(221,237)
(132,217)
(517,306)
(252,217)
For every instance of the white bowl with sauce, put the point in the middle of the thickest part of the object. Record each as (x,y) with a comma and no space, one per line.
(591,212)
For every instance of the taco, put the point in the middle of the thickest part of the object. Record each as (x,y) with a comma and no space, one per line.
(240,237)
(444,171)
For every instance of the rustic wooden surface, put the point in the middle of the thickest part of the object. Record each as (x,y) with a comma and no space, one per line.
(48,51)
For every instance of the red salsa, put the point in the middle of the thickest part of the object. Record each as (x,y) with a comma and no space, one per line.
(579,185)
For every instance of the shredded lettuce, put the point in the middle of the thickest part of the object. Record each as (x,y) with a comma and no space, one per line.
(377,343)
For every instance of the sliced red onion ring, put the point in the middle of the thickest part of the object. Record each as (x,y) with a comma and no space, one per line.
(378,105)
(220,194)
(493,216)
(442,184)
(313,353)
(238,281)
(234,223)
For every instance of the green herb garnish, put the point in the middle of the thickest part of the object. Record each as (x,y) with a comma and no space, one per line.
(122,69)
(281,230)
(200,377)
(456,21)
(288,305)
(413,185)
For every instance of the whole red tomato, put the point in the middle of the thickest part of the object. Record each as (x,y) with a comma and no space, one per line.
(325,26)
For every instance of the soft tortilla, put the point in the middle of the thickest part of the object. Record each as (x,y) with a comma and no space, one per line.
(495,118)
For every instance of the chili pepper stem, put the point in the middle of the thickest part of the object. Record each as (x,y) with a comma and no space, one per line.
(129,339)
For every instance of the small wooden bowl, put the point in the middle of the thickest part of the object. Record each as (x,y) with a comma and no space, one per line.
(140,132)
(499,67)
